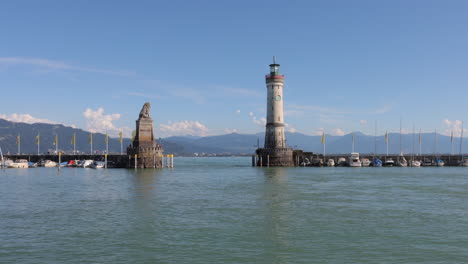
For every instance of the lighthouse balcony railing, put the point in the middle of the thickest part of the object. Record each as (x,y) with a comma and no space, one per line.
(274,76)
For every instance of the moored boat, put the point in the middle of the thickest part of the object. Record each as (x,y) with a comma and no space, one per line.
(19,164)
(389,162)
(49,164)
(331,163)
(402,162)
(463,162)
(97,165)
(415,163)
(341,162)
(86,163)
(376,162)
(365,162)
(353,160)
(439,163)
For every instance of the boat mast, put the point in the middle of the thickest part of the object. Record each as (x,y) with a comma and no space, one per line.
(400,142)
(375,139)
(435,144)
(1,156)
(412,151)
(461,142)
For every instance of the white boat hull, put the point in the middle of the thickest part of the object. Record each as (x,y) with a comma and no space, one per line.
(18,165)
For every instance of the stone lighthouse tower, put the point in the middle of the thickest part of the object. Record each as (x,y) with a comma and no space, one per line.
(275,151)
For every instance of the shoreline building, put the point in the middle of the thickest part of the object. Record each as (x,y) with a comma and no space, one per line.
(275,151)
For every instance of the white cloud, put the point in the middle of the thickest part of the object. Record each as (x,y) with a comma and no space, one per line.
(318,132)
(337,132)
(26,118)
(260,122)
(363,122)
(182,128)
(98,122)
(56,65)
(230,131)
(455,126)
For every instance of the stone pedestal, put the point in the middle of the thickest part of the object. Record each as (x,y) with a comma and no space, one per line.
(275,157)
(149,152)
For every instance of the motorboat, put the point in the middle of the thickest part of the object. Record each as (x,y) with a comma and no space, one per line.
(415,163)
(427,162)
(463,162)
(389,162)
(97,165)
(50,164)
(72,163)
(317,162)
(439,163)
(376,162)
(7,162)
(402,162)
(63,164)
(353,160)
(86,163)
(305,162)
(19,164)
(331,163)
(341,162)
(32,164)
(365,162)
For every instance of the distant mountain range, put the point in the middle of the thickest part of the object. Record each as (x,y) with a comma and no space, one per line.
(229,144)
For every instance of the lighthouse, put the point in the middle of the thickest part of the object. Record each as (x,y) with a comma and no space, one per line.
(275,151)
(274,132)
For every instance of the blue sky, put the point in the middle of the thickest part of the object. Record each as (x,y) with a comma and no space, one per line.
(201,64)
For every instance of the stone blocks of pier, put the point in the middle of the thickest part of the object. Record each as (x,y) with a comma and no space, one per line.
(275,157)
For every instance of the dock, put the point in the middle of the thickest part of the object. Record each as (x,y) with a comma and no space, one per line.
(113,160)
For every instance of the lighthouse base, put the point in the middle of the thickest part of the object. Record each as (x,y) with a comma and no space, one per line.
(275,157)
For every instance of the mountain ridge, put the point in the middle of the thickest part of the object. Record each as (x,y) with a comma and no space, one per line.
(227,144)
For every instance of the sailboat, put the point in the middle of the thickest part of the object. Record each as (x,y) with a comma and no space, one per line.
(437,160)
(401,159)
(353,160)
(376,162)
(2,160)
(388,161)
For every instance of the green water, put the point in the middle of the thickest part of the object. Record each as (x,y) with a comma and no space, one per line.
(221,210)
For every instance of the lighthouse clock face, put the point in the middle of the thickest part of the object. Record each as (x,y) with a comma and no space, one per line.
(278,98)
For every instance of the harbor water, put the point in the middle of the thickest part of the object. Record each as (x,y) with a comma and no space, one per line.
(222,210)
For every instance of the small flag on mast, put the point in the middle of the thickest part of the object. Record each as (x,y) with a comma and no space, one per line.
(386,137)
(38,139)
(73,140)
(18,139)
(106,139)
(55,140)
(90,138)
(323,138)
(451,136)
(120,137)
